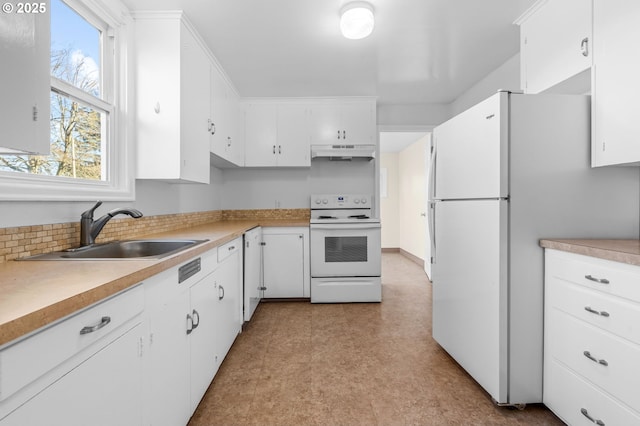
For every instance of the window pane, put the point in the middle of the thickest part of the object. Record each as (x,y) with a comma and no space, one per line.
(77,135)
(75,49)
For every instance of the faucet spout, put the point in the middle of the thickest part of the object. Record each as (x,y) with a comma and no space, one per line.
(89,229)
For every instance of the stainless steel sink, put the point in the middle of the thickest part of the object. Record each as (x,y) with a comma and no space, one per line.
(121,250)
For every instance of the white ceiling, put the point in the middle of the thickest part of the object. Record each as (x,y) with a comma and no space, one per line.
(421,51)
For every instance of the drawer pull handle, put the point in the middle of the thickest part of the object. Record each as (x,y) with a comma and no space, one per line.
(232,248)
(586,414)
(220,296)
(195,319)
(90,329)
(593,311)
(594,359)
(597,280)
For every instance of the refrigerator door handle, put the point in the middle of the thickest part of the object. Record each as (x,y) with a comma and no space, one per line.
(431,215)
(432,172)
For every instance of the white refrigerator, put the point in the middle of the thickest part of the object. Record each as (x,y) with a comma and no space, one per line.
(504,174)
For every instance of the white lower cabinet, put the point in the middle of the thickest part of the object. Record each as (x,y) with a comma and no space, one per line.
(76,371)
(286,262)
(106,389)
(591,342)
(252,271)
(145,356)
(194,313)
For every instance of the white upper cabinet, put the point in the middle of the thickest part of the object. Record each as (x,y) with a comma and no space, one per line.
(555,47)
(173,106)
(343,122)
(276,135)
(226,141)
(25,81)
(616,88)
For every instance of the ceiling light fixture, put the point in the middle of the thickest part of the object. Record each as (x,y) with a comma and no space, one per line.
(356,20)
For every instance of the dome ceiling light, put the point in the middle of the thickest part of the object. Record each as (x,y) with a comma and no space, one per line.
(356,20)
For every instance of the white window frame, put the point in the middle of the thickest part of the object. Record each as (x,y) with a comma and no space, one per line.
(116,82)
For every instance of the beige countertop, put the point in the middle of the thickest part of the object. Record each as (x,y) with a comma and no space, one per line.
(625,251)
(36,293)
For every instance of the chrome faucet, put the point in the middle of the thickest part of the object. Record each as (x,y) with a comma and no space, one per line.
(89,229)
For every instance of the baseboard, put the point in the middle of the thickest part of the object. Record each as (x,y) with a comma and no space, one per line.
(390,250)
(413,258)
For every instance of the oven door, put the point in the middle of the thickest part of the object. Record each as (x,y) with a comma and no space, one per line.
(345,250)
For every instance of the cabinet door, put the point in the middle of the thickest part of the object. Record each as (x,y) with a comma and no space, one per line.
(106,389)
(260,135)
(229,307)
(553,40)
(24,108)
(202,337)
(358,123)
(293,136)
(615,90)
(325,124)
(283,265)
(168,372)
(194,110)
(252,271)
(235,145)
(219,114)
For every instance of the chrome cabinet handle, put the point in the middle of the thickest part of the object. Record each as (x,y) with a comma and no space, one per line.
(594,359)
(274,149)
(232,248)
(213,128)
(593,311)
(597,280)
(584,46)
(196,319)
(344,134)
(91,328)
(586,414)
(338,134)
(262,288)
(189,324)
(279,149)
(219,296)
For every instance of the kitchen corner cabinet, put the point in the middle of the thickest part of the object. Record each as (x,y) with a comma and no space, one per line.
(343,122)
(173,99)
(591,342)
(276,135)
(555,47)
(25,82)
(77,370)
(615,87)
(227,138)
(286,262)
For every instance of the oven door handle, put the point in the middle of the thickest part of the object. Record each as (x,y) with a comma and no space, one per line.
(345,226)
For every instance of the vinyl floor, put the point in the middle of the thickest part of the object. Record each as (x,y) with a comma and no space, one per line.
(352,364)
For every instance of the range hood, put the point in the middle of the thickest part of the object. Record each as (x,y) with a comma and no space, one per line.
(343,152)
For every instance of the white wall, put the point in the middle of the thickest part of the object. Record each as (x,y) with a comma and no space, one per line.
(390,205)
(152,198)
(506,77)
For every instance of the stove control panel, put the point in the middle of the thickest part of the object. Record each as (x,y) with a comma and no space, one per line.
(344,201)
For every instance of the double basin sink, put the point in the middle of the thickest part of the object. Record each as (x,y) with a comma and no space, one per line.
(122,250)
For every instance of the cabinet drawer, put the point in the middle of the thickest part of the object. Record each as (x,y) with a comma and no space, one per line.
(567,395)
(28,359)
(228,249)
(602,358)
(616,315)
(615,278)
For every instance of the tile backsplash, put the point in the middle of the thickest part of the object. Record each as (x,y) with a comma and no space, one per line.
(24,241)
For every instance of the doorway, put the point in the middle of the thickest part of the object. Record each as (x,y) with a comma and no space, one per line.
(404,159)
